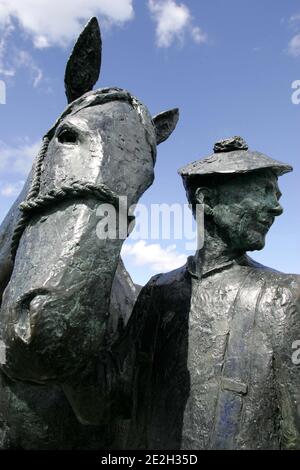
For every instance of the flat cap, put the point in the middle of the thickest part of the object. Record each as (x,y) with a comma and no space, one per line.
(232,156)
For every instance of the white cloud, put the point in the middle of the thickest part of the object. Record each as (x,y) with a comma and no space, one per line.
(18,159)
(24,59)
(173,22)
(13,59)
(198,35)
(295,18)
(57,22)
(294,46)
(5,69)
(11,189)
(156,258)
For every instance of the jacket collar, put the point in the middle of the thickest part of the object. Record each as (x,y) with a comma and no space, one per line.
(195,269)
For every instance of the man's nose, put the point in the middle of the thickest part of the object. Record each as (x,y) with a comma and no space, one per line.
(276,210)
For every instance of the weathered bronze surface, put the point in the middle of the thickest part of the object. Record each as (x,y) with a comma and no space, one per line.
(217,372)
(61,284)
(205,361)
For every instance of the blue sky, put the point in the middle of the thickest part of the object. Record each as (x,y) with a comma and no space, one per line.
(228,65)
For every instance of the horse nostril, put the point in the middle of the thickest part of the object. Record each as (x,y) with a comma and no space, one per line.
(33,299)
(27,308)
(35,304)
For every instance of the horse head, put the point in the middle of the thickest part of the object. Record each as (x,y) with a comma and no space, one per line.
(55,307)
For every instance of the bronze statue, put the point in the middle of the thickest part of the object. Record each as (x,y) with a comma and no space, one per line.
(205,361)
(217,370)
(57,274)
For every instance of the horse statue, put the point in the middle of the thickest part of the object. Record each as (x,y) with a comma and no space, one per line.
(64,289)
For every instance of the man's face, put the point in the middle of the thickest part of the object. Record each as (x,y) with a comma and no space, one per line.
(246,209)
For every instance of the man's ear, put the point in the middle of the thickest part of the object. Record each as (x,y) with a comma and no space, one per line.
(206,197)
(165,124)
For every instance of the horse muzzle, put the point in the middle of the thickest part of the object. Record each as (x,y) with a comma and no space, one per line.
(49,336)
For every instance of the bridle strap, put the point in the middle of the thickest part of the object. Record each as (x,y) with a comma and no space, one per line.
(37,205)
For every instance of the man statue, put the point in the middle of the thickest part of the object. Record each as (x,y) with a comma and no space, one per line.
(214,340)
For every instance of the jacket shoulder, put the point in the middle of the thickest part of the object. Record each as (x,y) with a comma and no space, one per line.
(177,276)
(275,279)
(280,301)
(167,291)
(288,284)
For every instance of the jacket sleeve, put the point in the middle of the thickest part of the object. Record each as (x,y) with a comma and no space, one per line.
(134,350)
(287,362)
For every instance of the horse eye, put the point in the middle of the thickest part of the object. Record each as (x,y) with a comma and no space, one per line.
(68,136)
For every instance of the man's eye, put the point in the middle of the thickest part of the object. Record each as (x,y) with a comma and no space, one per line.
(68,136)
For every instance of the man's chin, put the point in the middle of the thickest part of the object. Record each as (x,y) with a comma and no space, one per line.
(256,244)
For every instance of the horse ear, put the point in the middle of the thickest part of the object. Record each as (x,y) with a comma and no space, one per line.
(165,124)
(83,67)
